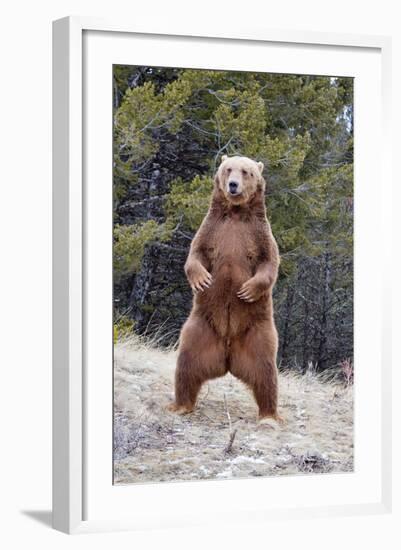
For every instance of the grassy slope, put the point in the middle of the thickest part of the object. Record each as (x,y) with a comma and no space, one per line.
(152,444)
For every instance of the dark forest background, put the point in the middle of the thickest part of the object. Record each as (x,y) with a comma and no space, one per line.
(171,127)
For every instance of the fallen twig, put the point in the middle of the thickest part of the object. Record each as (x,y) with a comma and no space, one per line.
(229,447)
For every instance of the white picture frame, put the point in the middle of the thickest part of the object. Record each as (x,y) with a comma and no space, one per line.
(72,425)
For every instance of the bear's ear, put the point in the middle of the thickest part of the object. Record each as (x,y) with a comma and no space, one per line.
(260,166)
(223,158)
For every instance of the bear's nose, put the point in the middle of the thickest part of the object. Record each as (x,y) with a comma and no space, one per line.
(233,186)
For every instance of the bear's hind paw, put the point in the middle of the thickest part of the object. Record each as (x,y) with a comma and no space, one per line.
(272,420)
(179,409)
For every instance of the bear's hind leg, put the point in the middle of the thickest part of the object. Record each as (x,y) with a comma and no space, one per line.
(201,356)
(253,360)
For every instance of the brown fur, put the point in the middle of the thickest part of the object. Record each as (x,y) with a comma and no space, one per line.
(232,267)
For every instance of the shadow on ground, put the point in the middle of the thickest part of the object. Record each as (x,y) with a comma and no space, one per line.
(41,516)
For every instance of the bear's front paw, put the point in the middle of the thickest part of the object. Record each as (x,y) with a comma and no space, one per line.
(200,279)
(251,291)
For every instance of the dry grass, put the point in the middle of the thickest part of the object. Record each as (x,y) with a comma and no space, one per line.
(222,438)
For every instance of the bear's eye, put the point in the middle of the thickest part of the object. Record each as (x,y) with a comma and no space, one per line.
(228,170)
(244,173)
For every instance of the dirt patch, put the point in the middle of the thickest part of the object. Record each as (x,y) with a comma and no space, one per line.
(152,444)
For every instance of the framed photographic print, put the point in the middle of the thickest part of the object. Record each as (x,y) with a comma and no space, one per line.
(219,282)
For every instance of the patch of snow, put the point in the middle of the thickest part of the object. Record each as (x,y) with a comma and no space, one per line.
(225,473)
(177,461)
(242,459)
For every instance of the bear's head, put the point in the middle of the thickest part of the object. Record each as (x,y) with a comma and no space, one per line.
(239,178)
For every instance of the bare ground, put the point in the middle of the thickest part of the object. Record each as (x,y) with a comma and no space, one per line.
(152,444)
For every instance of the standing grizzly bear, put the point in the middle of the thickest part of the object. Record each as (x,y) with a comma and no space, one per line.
(232,267)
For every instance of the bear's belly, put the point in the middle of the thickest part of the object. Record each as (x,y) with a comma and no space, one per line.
(229,274)
(231,260)
(228,314)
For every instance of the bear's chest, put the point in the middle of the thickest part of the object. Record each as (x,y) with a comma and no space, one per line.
(233,241)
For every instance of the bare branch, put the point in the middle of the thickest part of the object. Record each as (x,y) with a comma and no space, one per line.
(229,448)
